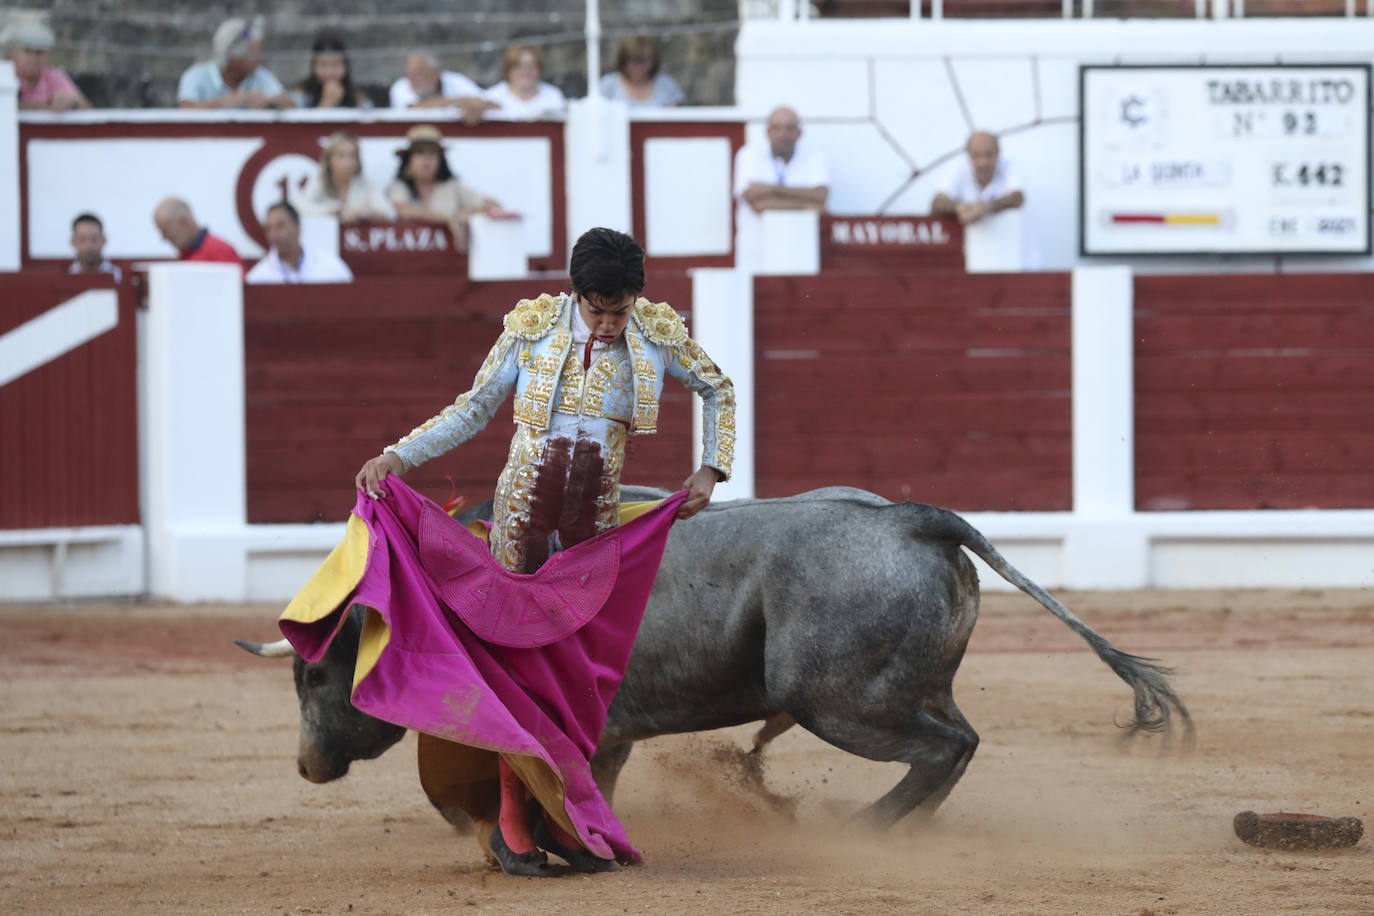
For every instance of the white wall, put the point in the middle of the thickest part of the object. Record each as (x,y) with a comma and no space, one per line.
(122,180)
(9,168)
(886,99)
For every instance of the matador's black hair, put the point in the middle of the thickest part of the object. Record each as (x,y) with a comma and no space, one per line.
(607,264)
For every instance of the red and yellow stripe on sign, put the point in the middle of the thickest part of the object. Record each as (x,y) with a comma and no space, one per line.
(1169,219)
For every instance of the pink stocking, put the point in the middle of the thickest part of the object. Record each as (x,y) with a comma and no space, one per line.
(514,819)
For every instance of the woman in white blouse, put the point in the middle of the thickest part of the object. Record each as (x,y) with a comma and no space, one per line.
(340,189)
(521,96)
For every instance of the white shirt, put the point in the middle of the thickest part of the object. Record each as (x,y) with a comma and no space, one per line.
(961,185)
(755,162)
(315,267)
(362,195)
(451,84)
(106,267)
(581,333)
(548,100)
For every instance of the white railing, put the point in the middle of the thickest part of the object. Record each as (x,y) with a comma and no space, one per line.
(801,10)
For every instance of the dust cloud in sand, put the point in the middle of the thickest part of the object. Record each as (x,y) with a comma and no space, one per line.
(147,765)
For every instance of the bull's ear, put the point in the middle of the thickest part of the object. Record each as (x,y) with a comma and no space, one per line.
(279,649)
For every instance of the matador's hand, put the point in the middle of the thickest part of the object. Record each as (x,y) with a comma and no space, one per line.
(699,486)
(370,478)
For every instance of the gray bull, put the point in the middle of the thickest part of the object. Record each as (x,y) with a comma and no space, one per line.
(836,609)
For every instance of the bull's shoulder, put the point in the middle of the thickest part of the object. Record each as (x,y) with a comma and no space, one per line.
(531,319)
(850,493)
(631,493)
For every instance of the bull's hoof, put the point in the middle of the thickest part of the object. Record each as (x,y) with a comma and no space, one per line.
(1297,831)
(580,859)
(522,864)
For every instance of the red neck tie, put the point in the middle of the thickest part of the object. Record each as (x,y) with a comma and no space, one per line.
(587,354)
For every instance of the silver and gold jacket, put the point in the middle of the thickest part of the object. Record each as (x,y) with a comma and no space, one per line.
(534,356)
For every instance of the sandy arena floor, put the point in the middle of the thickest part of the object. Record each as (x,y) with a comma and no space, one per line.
(147,766)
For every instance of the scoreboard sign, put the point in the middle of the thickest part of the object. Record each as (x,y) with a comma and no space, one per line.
(1224,160)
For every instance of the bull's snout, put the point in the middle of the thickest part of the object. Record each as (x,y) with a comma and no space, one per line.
(316,767)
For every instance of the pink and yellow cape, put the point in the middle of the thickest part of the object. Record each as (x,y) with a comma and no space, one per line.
(481,661)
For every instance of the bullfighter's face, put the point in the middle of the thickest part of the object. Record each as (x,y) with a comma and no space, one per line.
(607,316)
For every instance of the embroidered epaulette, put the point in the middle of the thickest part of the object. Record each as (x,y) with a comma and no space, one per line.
(659,322)
(531,319)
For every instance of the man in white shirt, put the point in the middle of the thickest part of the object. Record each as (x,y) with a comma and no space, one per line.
(427,85)
(287,261)
(783,174)
(984,183)
(88,240)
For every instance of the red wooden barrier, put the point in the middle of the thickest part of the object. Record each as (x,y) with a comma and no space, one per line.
(69,428)
(938,387)
(1254,392)
(335,373)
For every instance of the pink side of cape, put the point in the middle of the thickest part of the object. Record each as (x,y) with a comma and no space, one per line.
(437,676)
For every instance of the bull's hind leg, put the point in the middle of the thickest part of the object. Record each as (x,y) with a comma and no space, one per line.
(937,742)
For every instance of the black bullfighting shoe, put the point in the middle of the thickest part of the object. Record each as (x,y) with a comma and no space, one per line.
(524,864)
(580,859)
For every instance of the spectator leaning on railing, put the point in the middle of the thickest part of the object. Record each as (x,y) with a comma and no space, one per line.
(88,240)
(783,173)
(427,85)
(40,86)
(288,261)
(340,189)
(330,82)
(983,184)
(637,79)
(426,189)
(521,96)
(235,77)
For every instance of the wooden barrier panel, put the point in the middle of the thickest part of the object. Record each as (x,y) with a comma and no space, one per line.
(938,387)
(336,373)
(1254,392)
(69,426)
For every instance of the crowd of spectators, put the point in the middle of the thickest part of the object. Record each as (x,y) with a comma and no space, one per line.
(233,77)
(782,173)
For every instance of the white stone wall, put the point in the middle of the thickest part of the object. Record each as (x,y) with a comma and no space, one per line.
(891,103)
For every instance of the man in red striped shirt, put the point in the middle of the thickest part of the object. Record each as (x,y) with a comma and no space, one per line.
(193,243)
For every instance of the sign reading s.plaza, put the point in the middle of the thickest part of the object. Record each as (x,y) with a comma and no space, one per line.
(394,237)
(1225,159)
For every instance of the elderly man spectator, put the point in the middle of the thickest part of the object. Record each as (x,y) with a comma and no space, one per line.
(288,261)
(781,174)
(235,77)
(192,241)
(40,87)
(88,239)
(427,85)
(984,183)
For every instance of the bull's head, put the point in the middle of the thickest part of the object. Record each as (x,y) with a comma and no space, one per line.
(333,733)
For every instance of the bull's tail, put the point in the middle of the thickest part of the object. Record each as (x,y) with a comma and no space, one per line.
(1155,701)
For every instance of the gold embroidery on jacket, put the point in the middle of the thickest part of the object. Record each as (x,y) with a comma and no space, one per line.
(531,319)
(535,405)
(659,323)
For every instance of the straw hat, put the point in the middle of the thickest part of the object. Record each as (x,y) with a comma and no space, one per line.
(26,32)
(233,37)
(421,135)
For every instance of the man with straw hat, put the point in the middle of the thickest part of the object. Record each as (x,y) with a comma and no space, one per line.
(40,86)
(235,78)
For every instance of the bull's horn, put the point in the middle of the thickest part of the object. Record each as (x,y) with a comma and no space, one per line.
(279,649)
